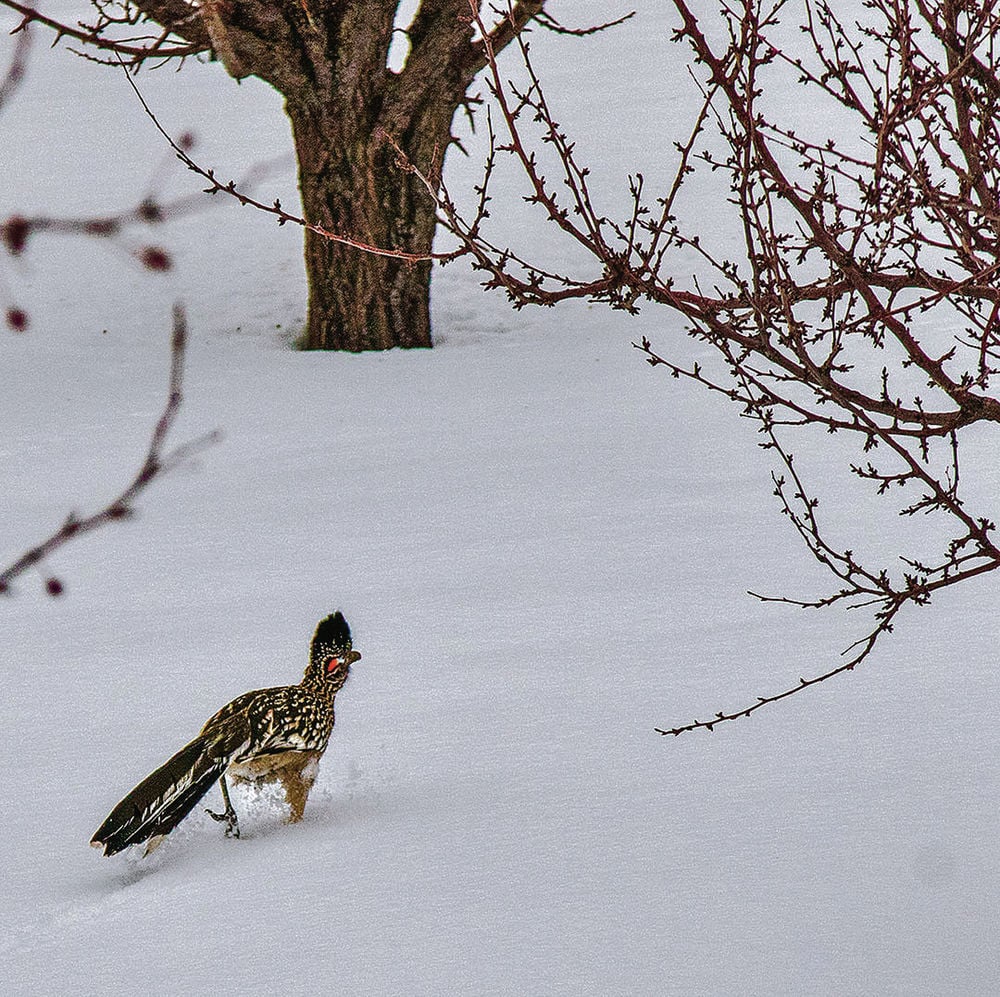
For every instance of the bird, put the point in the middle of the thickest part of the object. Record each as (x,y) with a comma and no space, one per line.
(266,735)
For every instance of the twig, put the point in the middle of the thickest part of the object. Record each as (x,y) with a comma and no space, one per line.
(548,22)
(156,463)
(15,70)
(283,217)
(136,52)
(866,645)
(17,230)
(818,311)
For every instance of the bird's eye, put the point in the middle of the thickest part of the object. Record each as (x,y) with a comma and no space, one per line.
(332,664)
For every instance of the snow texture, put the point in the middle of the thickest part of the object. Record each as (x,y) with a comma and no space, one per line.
(543,548)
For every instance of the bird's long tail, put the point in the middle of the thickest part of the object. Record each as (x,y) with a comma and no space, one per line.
(164,798)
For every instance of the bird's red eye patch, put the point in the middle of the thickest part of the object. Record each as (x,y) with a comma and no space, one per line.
(332,664)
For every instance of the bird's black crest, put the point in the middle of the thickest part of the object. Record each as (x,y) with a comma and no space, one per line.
(332,634)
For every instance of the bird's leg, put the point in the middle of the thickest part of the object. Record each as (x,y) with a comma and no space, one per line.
(228,816)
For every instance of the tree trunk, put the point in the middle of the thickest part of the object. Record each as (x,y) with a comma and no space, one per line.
(351,185)
(329,58)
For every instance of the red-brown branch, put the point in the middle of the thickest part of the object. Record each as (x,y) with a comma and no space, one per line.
(157,462)
(157,46)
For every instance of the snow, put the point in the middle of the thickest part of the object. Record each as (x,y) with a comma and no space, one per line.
(543,547)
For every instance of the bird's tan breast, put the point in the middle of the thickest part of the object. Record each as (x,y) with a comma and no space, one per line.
(266,767)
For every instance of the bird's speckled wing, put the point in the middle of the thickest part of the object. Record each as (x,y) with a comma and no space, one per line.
(241,704)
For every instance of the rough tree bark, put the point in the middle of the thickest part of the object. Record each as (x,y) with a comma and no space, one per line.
(351,116)
(350,185)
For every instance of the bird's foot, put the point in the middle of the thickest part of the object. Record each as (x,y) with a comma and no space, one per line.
(229,818)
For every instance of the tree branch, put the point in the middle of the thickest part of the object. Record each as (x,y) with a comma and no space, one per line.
(156,463)
(157,47)
(481,52)
(16,67)
(275,209)
(860,296)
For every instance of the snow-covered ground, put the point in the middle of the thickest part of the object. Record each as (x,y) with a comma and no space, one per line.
(543,548)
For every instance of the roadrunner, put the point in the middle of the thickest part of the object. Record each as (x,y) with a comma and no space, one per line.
(268,735)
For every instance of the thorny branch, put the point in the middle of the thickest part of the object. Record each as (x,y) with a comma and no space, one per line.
(134,48)
(15,234)
(231,189)
(864,299)
(550,23)
(17,230)
(152,210)
(16,68)
(157,462)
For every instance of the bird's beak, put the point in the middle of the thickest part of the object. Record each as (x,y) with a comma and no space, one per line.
(352,656)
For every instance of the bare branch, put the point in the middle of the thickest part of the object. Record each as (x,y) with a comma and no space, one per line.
(857,256)
(156,463)
(231,189)
(860,650)
(16,67)
(92,36)
(548,22)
